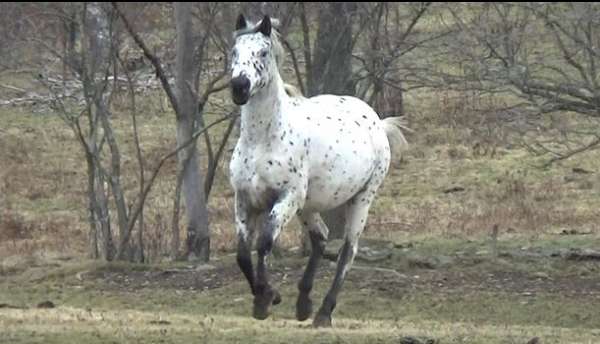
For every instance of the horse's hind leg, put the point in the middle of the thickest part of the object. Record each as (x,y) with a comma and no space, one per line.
(345,258)
(317,231)
(356,217)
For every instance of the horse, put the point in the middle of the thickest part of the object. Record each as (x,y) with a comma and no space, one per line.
(299,156)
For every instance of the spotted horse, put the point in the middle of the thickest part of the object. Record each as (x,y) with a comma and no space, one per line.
(299,156)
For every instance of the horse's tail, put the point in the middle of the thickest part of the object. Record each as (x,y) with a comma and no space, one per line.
(393,127)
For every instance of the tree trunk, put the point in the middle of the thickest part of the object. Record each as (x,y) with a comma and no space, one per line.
(198,236)
(331,63)
(126,250)
(94,56)
(106,239)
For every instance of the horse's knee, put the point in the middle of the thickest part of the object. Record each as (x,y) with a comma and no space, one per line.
(317,242)
(347,253)
(244,261)
(265,244)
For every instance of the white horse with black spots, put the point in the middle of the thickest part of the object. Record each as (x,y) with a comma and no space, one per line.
(299,156)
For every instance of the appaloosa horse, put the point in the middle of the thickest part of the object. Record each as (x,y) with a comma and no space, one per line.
(299,156)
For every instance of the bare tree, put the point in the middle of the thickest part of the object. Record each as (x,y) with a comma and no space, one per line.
(95,56)
(198,238)
(90,118)
(188,103)
(391,32)
(544,57)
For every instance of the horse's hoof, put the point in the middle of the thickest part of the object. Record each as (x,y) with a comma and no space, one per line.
(303,307)
(261,313)
(276,297)
(261,309)
(263,302)
(322,321)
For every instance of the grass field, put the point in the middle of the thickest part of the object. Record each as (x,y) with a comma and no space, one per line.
(433,291)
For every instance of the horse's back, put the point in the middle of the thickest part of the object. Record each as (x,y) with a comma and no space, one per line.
(350,118)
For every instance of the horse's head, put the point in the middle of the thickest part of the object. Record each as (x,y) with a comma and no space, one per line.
(253,59)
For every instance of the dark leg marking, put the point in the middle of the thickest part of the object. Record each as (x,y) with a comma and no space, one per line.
(323,317)
(264,295)
(244,260)
(304,303)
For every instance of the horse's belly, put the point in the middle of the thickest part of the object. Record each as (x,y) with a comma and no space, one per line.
(333,187)
(321,199)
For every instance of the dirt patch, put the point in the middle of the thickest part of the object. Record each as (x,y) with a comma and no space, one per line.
(453,282)
(460,277)
(202,277)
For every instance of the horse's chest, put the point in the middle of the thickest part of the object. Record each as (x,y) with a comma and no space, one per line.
(262,175)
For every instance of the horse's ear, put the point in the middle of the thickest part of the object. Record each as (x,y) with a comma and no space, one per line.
(265,26)
(241,22)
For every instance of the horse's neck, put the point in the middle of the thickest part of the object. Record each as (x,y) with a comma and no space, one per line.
(262,116)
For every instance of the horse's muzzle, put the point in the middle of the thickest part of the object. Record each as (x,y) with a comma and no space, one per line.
(240,89)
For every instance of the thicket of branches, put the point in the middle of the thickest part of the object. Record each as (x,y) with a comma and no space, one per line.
(540,59)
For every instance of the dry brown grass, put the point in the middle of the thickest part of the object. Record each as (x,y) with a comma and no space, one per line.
(463,174)
(459,141)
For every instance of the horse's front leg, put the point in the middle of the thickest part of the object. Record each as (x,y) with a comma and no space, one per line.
(244,220)
(318,232)
(278,217)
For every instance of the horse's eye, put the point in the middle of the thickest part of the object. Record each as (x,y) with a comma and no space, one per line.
(234,54)
(264,53)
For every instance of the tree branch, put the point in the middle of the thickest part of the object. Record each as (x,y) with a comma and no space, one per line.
(140,203)
(160,72)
